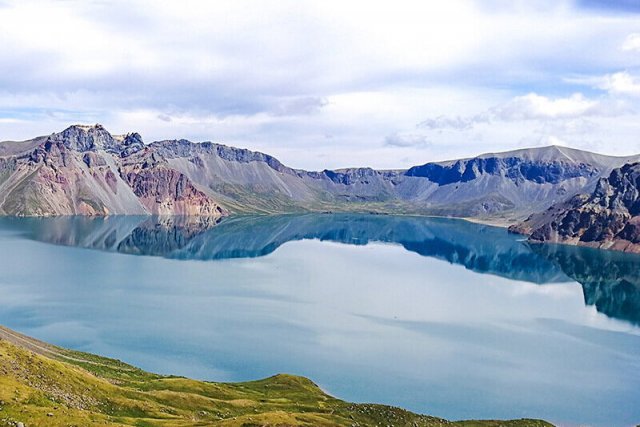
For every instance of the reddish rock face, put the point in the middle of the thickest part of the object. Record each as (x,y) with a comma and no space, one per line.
(165,191)
(86,171)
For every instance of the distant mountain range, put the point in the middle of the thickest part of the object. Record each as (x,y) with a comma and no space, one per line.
(84,170)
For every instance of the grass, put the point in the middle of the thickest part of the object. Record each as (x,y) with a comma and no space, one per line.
(44,385)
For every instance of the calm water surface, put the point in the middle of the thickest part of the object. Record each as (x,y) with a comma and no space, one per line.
(439,316)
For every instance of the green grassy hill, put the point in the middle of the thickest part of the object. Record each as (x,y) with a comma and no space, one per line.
(44,385)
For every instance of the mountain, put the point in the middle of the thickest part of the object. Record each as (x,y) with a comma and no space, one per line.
(85,170)
(608,218)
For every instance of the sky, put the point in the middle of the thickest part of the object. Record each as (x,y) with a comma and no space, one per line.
(329,84)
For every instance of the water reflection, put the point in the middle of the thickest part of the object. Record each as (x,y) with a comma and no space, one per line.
(479,248)
(389,323)
(610,280)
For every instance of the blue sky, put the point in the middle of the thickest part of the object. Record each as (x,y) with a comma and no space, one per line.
(329,83)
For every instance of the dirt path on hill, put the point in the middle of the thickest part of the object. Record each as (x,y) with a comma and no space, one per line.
(43,348)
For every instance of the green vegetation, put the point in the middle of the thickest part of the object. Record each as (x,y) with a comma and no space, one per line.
(247,199)
(23,196)
(43,385)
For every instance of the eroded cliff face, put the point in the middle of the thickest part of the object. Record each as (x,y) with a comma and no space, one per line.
(517,169)
(165,191)
(83,171)
(607,218)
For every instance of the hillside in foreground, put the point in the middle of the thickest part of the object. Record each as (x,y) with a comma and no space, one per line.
(44,385)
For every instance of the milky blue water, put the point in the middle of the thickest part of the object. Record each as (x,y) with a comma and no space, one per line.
(438,316)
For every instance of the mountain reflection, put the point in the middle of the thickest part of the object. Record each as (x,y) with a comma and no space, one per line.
(610,281)
(479,248)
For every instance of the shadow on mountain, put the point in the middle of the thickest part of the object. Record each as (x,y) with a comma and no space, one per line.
(610,280)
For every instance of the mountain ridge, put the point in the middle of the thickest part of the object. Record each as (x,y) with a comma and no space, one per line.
(16,147)
(85,170)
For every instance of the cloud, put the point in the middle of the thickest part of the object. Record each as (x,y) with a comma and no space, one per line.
(231,56)
(612,5)
(536,120)
(280,75)
(457,123)
(406,140)
(631,43)
(574,127)
(531,107)
(299,106)
(538,107)
(619,83)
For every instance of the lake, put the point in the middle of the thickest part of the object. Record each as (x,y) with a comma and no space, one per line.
(439,316)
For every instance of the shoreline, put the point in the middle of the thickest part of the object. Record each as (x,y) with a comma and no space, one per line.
(43,384)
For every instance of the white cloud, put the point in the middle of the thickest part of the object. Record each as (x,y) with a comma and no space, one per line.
(536,120)
(631,43)
(621,83)
(457,123)
(299,106)
(406,140)
(535,107)
(532,107)
(280,75)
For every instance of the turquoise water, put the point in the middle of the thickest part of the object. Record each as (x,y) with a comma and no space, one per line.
(439,316)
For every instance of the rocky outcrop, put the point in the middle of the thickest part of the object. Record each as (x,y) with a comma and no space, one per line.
(184,148)
(93,138)
(517,169)
(84,138)
(165,191)
(84,170)
(607,218)
(128,144)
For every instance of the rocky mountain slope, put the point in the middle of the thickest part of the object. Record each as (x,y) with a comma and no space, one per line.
(505,185)
(607,218)
(85,170)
